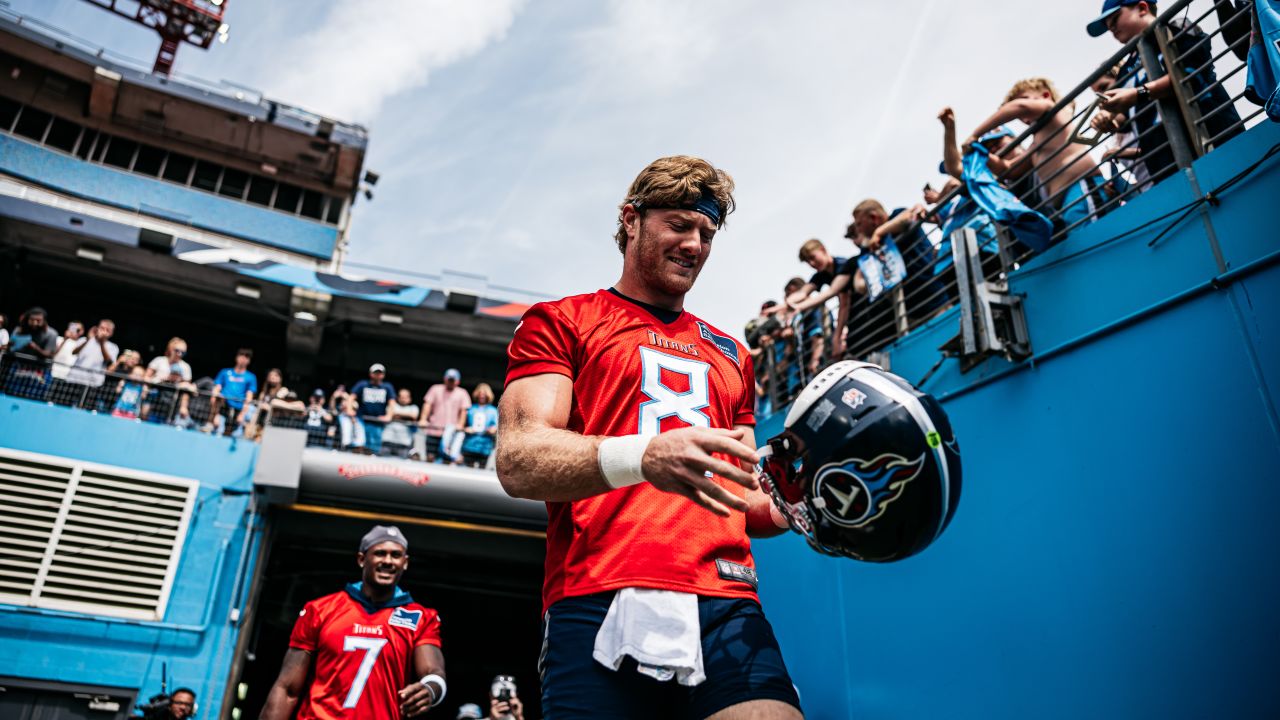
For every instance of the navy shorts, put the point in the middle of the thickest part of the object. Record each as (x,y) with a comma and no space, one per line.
(739,653)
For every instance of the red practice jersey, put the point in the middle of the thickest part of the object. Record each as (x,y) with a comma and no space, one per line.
(362,659)
(633,373)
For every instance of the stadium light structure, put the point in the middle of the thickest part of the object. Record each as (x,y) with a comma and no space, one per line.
(196,22)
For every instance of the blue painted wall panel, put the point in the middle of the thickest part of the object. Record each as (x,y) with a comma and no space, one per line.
(173,202)
(1245,219)
(118,653)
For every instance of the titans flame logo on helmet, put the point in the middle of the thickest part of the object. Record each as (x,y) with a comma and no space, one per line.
(856,492)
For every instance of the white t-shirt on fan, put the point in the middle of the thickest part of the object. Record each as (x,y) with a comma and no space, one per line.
(89,364)
(161,369)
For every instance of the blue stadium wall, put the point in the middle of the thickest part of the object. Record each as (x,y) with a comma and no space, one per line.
(197,637)
(1114,550)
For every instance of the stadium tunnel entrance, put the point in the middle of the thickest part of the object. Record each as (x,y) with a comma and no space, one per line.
(475,556)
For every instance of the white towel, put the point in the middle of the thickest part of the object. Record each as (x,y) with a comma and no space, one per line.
(659,628)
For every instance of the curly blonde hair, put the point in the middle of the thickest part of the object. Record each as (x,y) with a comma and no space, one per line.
(1035,84)
(676,181)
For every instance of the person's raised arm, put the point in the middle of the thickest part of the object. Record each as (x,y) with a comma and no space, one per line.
(1024,109)
(837,286)
(897,224)
(283,697)
(539,459)
(1118,100)
(418,696)
(837,332)
(950,150)
(794,298)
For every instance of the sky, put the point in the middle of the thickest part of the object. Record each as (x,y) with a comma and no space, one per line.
(506,132)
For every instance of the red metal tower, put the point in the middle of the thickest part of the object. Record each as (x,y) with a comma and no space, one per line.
(193,21)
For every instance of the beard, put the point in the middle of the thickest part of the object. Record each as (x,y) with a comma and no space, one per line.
(656,272)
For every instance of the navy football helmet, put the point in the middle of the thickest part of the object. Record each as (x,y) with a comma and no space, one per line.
(866,467)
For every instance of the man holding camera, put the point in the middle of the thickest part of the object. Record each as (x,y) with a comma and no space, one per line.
(363,642)
(633,419)
(178,705)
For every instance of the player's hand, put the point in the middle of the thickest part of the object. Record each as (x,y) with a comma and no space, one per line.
(948,117)
(677,462)
(415,699)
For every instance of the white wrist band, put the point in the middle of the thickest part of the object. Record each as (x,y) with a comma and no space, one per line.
(620,459)
(444,688)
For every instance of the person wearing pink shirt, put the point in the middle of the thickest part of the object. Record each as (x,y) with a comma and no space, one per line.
(444,412)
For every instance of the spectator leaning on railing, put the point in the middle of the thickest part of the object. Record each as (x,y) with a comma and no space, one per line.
(319,421)
(924,295)
(1123,152)
(398,437)
(1135,103)
(233,391)
(130,394)
(376,400)
(350,429)
(63,357)
(33,344)
(444,409)
(837,275)
(1068,182)
(172,376)
(482,427)
(93,354)
(812,331)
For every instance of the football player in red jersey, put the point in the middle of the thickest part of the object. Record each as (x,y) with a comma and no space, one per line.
(633,419)
(364,642)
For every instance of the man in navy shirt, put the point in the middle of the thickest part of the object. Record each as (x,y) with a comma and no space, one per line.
(377,400)
(233,391)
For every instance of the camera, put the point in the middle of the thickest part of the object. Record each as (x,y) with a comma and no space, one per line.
(157,707)
(503,688)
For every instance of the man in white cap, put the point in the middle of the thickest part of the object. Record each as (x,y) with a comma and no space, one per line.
(444,412)
(377,399)
(362,641)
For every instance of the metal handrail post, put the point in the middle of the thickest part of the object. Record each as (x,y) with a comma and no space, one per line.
(1187,111)
(1170,113)
(900,320)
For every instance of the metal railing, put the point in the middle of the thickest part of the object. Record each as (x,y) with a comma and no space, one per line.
(1083,168)
(120,393)
(788,358)
(199,407)
(403,437)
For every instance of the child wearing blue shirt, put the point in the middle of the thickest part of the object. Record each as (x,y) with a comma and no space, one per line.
(129,401)
(482,427)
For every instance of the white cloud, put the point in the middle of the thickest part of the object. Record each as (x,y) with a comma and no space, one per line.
(364,53)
